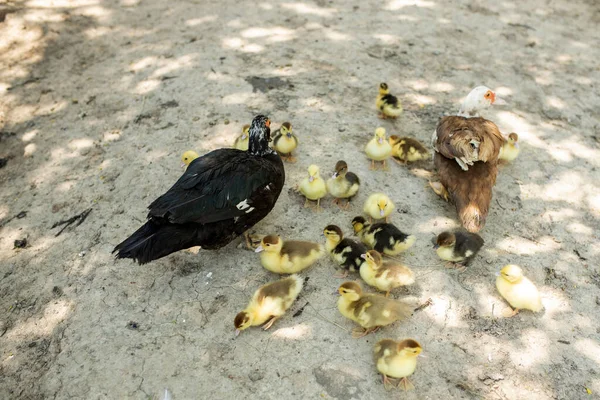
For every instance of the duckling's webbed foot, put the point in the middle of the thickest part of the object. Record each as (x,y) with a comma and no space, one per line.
(269,323)
(291,159)
(388,384)
(357,333)
(341,275)
(405,384)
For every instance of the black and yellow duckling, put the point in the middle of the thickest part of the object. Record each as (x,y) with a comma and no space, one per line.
(407,150)
(383,237)
(284,141)
(343,184)
(510,149)
(369,310)
(313,187)
(218,198)
(398,360)
(289,256)
(520,292)
(188,157)
(387,104)
(269,303)
(241,142)
(384,276)
(458,246)
(346,252)
(378,148)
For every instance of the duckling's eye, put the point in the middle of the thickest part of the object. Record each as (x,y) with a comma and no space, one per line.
(185,159)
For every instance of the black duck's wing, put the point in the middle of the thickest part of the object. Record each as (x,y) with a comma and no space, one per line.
(390,99)
(352,178)
(221,185)
(468,242)
(387,235)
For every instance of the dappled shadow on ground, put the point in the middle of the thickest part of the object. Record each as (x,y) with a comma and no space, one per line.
(99,98)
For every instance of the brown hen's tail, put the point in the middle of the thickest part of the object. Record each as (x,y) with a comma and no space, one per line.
(472,211)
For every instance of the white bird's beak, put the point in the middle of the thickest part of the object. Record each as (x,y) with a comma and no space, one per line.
(363,256)
(182,165)
(500,101)
(334,175)
(497,274)
(237,332)
(516,145)
(380,140)
(258,249)
(311,178)
(381,212)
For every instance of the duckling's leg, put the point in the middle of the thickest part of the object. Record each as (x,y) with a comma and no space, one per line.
(357,333)
(387,294)
(397,159)
(318,205)
(269,323)
(387,382)
(513,313)
(291,159)
(381,115)
(385,167)
(347,205)
(372,165)
(306,203)
(440,190)
(405,384)
(341,275)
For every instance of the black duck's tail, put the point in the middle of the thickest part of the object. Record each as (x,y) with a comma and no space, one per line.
(153,241)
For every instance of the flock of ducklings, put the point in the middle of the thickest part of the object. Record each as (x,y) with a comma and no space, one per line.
(371,311)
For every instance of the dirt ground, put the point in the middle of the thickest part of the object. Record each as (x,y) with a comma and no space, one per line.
(98,99)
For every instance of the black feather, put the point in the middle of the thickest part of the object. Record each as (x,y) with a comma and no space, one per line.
(386,231)
(220,196)
(466,241)
(352,259)
(390,99)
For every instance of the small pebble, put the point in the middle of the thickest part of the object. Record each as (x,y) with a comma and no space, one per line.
(81,254)
(256,376)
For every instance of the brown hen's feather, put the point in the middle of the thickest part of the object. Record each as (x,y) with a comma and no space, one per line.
(471,190)
(455,134)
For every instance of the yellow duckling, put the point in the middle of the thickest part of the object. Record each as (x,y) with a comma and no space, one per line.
(398,360)
(284,141)
(378,206)
(405,149)
(288,257)
(269,303)
(519,291)
(510,150)
(188,157)
(384,276)
(383,237)
(371,311)
(343,184)
(313,186)
(241,142)
(387,104)
(378,148)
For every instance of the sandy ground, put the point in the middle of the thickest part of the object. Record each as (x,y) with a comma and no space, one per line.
(98,99)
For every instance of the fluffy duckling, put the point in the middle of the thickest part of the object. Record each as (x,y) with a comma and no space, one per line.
(378,206)
(510,149)
(405,149)
(458,247)
(313,186)
(384,276)
(343,184)
(387,104)
(289,256)
(371,311)
(345,252)
(284,141)
(398,360)
(269,302)
(519,291)
(383,237)
(241,142)
(188,157)
(378,148)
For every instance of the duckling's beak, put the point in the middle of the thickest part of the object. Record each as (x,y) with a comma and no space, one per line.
(516,145)
(259,249)
(311,178)
(289,134)
(244,137)
(380,140)
(436,246)
(499,101)
(335,174)
(497,274)
(363,256)
(381,212)
(182,165)
(237,332)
